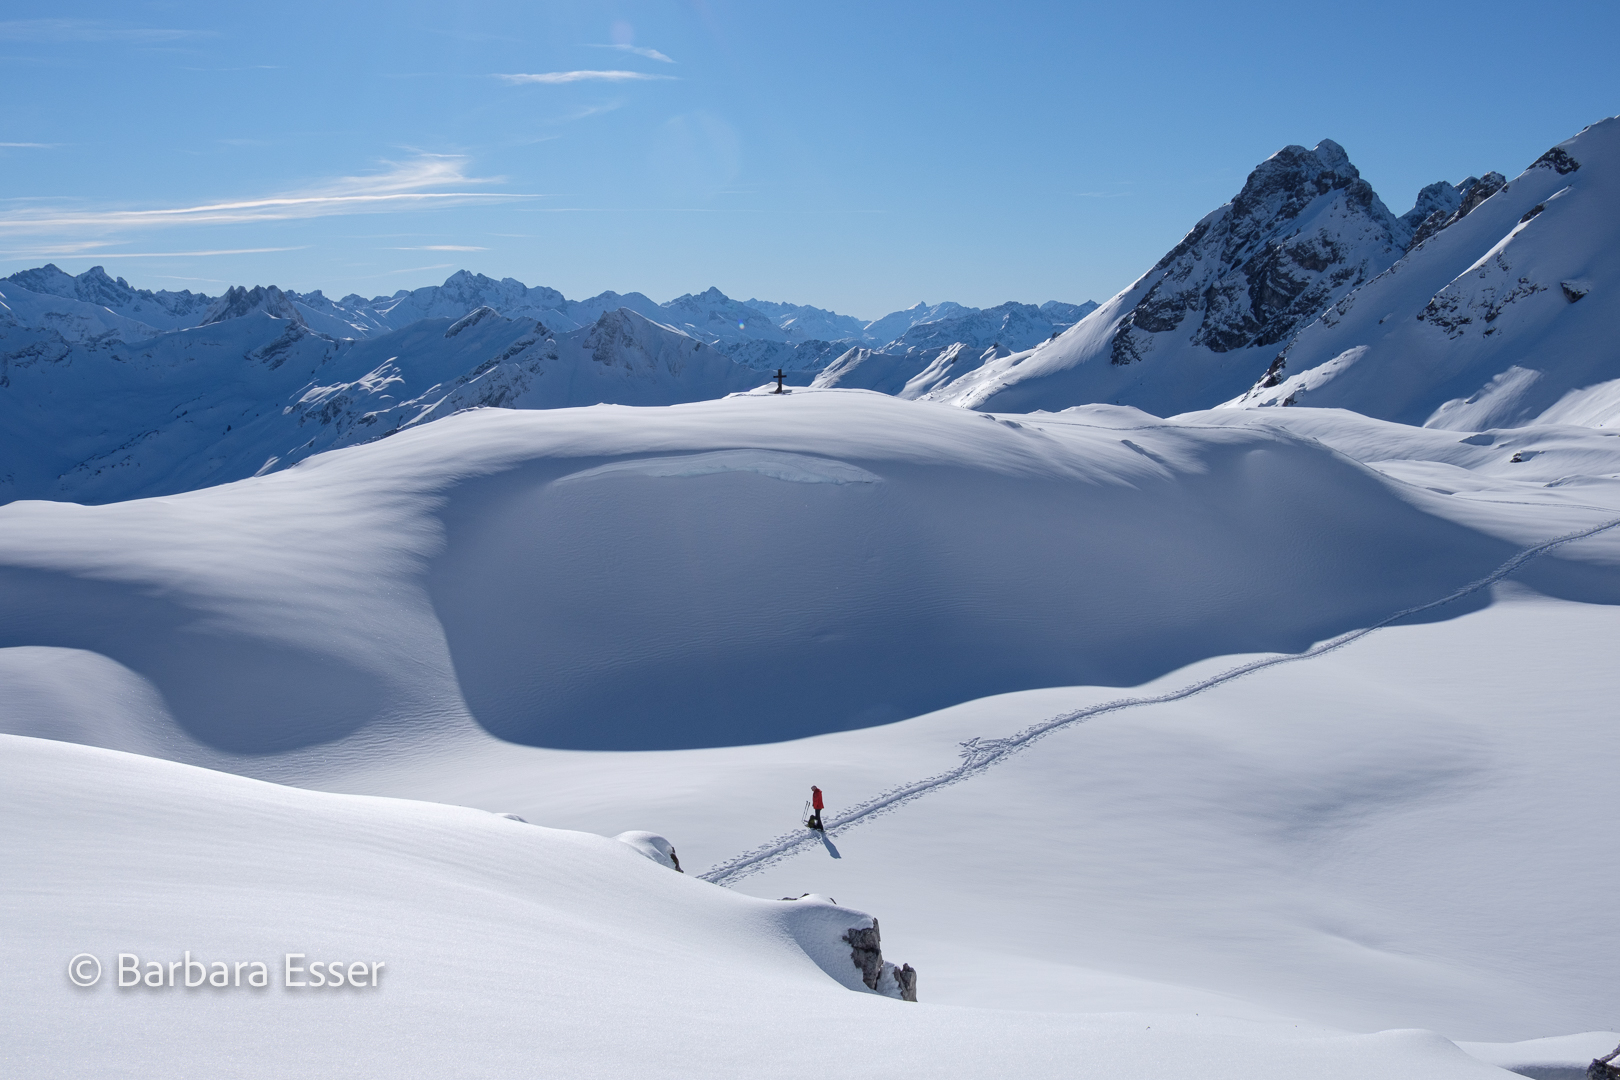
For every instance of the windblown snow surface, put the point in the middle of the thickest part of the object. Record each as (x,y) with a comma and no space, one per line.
(676,619)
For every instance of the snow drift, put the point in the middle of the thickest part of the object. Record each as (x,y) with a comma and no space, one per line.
(753,569)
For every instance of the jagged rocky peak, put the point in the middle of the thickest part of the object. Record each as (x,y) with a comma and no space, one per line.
(1467,196)
(1305,230)
(239,301)
(1440,197)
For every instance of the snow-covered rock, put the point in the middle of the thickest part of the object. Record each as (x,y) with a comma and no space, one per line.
(1501,316)
(652,846)
(1304,231)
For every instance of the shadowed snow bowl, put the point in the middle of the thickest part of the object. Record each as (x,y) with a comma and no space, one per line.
(750,595)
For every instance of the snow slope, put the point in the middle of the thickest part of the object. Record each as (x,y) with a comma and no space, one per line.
(1209,317)
(1503,318)
(507,949)
(1404,832)
(752,569)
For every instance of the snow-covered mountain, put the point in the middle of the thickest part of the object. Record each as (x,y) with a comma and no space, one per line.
(930,355)
(1304,231)
(162,310)
(1501,315)
(812,323)
(1012,326)
(254,389)
(892,325)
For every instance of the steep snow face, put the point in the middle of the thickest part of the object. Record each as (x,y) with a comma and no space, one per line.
(905,375)
(1502,316)
(162,310)
(869,369)
(1208,318)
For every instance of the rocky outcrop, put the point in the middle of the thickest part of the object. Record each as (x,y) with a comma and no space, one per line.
(1470,193)
(1304,231)
(866,951)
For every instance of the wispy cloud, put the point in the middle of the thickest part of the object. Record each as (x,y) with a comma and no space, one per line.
(406,270)
(30,145)
(650,54)
(555,77)
(404,185)
(90,30)
(441,247)
(80,251)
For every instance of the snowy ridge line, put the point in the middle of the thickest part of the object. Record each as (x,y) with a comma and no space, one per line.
(979,754)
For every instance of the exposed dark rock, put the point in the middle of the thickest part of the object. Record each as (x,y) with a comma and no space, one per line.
(1473,191)
(1274,373)
(471,319)
(906,976)
(1600,1069)
(1573,290)
(866,950)
(1253,272)
(1558,160)
(1532,212)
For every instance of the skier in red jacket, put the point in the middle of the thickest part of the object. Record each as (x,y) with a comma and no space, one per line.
(816,806)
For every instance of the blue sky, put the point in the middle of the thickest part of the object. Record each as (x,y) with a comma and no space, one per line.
(858,156)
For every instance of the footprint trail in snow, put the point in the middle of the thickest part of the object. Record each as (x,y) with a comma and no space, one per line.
(979,754)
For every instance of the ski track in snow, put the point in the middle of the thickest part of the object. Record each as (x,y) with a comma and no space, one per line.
(979,754)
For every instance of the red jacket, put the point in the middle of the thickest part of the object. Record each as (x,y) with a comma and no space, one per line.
(815,798)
